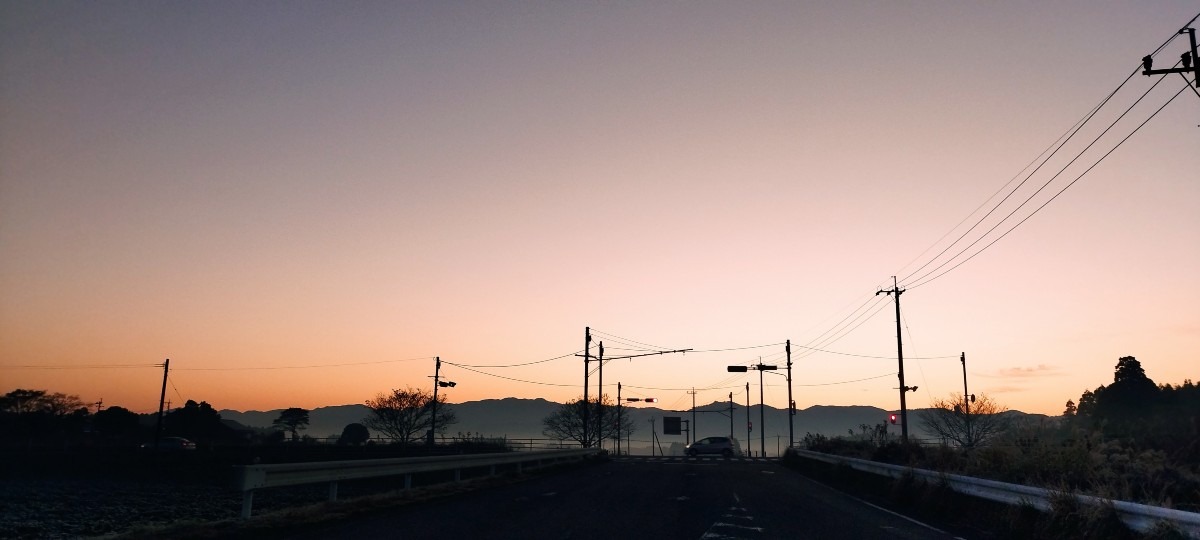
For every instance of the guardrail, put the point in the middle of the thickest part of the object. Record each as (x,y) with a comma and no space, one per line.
(252,477)
(1139,517)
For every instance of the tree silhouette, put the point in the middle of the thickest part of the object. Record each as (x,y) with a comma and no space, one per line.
(292,420)
(405,415)
(117,425)
(1123,407)
(968,427)
(354,434)
(566,423)
(36,415)
(197,421)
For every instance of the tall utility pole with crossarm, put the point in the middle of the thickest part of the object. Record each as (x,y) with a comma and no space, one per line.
(897,291)
(1190,60)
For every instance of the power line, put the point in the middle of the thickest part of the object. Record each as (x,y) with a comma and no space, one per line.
(1079,125)
(892,374)
(310,366)
(845,331)
(86,366)
(739,348)
(627,340)
(1051,199)
(568,355)
(508,378)
(1043,186)
(879,357)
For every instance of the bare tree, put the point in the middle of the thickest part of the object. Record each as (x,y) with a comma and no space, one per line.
(567,422)
(967,424)
(405,415)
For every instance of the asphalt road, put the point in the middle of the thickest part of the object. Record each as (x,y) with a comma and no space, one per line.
(649,498)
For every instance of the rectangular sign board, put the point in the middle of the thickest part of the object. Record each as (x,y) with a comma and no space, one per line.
(672,425)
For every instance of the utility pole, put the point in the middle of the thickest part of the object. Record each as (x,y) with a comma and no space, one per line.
(791,403)
(967,398)
(897,291)
(749,426)
(762,412)
(437,370)
(600,400)
(653,437)
(618,418)
(162,396)
(100,405)
(1190,60)
(731,415)
(694,425)
(587,350)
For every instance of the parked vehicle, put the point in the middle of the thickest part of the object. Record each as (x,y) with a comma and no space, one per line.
(725,446)
(171,444)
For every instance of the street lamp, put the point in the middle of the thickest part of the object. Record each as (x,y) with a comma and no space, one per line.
(762,416)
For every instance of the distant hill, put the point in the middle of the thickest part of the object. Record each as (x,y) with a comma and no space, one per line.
(518,418)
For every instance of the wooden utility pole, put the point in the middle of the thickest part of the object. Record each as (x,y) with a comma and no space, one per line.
(791,403)
(618,419)
(587,352)
(897,291)
(437,371)
(749,425)
(600,399)
(694,426)
(731,415)
(162,397)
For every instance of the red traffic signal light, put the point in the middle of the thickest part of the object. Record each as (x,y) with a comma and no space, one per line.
(892,418)
(651,400)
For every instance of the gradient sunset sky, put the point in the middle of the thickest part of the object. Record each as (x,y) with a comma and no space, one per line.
(301,204)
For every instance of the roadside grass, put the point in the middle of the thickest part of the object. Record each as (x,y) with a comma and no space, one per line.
(937,504)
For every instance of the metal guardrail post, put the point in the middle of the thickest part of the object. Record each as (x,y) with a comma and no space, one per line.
(247,503)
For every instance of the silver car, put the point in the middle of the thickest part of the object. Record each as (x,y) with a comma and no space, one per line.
(724,446)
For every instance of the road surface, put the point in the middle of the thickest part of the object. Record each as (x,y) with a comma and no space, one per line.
(641,497)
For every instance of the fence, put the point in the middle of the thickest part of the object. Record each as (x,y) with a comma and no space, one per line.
(252,477)
(1138,517)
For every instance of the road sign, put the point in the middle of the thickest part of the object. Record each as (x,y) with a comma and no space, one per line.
(672,425)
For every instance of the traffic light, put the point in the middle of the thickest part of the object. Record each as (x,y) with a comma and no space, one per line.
(651,400)
(892,418)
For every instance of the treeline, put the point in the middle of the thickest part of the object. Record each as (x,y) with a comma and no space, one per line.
(1130,440)
(1140,414)
(34,419)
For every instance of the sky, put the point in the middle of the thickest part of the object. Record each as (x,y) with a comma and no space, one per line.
(303,204)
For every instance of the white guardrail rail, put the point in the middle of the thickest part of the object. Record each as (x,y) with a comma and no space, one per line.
(252,477)
(1139,517)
